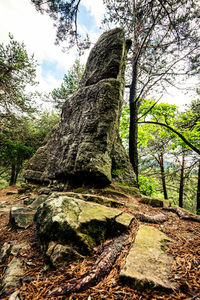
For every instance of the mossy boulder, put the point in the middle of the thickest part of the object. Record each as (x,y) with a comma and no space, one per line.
(147,264)
(84,147)
(155,202)
(71,221)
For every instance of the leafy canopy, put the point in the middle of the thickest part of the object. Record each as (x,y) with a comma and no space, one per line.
(17,70)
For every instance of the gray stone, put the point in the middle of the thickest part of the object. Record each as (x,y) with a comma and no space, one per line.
(21,217)
(17,247)
(5,251)
(4,206)
(36,203)
(84,225)
(147,264)
(13,273)
(15,296)
(45,191)
(61,255)
(26,188)
(29,200)
(155,202)
(84,147)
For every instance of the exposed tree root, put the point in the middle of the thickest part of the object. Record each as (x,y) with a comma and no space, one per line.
(101,268)
(183,214)
(157,219)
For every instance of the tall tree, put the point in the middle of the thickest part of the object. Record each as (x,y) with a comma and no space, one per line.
(19,141)
(166,44)
(17,70)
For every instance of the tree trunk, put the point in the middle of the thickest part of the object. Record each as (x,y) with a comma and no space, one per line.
(181,187)
(12,177)
(198,191)
(14,174)
(162,170)
(133,128)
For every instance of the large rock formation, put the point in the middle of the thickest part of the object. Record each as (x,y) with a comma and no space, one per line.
(85,146)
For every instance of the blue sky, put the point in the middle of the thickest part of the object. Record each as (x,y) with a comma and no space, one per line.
(38,34)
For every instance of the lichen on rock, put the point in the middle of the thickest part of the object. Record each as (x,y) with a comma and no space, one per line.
(68,220)
(148,265)
(85,145)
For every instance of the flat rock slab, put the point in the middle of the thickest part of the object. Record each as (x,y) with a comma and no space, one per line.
(71,221)
(155,202)
(147,264)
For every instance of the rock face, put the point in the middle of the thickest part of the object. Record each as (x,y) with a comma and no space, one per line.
(147,264)
(85,146)
(82,225)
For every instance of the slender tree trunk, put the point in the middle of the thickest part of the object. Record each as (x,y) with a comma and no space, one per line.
(14,174)
(12,177)
(133,128)
(181,187)
(198,191)
(162,170)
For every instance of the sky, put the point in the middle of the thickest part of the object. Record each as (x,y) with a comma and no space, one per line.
(20,18)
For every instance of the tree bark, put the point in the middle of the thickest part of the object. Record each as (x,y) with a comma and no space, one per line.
(183,214)
(133,128)
(12,177)
(157,219)
(181,187)
(14,174)
(162,170)
(198,192)
(195,149)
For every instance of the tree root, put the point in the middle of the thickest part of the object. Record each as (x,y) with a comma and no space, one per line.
(157,219)
(183,214)
(100,269)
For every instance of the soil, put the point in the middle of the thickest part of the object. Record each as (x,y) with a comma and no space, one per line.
(39,279)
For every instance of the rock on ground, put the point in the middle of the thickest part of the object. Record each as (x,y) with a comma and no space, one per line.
(84,147)
(80,224)
(147,264)
(13,273)
(21,217)
(155,202)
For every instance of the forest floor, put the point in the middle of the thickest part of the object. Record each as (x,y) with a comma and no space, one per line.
(38,280)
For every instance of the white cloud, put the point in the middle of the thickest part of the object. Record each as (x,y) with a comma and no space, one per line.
(36,30)
(96,10)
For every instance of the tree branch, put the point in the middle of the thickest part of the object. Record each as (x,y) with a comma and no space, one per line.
(176,132)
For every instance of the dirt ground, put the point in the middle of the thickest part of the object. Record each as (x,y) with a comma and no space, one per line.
(38,279)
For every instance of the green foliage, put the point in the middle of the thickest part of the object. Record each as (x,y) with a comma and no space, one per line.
(19,139)
(17,70)
(70,84)
(147,185)
(157,143)
(64,15)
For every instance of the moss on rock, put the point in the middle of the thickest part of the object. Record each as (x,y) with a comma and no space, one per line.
(147,264)
(155,202)
(84,147)
(68,220)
